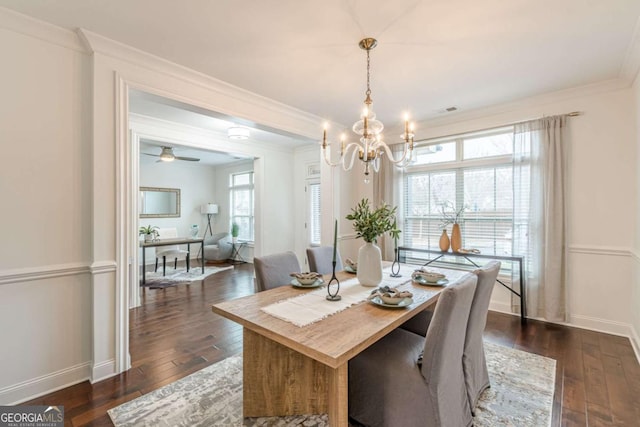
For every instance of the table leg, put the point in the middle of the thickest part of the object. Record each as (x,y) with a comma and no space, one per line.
(339,396)
(523,297)
(202,249)
(278,381)
(144,266)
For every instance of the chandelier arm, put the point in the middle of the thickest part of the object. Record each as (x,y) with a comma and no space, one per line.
(376,164)
(390,154)
(328,161)
(354,147)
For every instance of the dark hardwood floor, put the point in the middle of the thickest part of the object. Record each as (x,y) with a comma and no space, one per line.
(174,333)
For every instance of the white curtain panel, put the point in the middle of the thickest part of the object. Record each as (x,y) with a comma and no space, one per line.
(540,215)
(387,188)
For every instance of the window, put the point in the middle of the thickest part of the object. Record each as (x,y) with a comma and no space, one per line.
(313,227)
(241,201)
(474,171)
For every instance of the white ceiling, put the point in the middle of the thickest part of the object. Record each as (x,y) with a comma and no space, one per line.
(432,54)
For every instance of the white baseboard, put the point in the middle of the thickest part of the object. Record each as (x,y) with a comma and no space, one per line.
(103,370)
(635,343)
(30,389)
(585,322)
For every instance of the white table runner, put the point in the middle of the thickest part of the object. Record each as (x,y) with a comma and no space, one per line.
(314,306)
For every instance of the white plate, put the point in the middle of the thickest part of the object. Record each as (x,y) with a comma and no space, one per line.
(295,283)
(423,281)
(377,301)
(348,269)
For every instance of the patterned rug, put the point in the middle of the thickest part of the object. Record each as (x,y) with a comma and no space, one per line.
(521,395)
(174,277)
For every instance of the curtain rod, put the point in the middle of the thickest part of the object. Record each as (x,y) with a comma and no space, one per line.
(571,114)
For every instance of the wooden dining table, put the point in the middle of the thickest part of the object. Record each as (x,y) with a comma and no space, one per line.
(292,370)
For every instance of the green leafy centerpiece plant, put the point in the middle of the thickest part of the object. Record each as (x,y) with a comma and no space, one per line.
(369,224)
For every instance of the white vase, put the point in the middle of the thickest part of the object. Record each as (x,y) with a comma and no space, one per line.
(369,265)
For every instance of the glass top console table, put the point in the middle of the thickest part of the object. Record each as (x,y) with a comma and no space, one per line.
(438,254)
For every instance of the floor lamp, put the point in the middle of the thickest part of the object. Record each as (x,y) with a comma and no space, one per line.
(209,209)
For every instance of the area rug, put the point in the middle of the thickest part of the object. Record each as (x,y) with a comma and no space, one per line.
(521,395)
(155,280)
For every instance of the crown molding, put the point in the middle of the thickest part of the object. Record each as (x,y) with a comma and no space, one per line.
(631,64)
(28,26)
(538,101)
(306,124)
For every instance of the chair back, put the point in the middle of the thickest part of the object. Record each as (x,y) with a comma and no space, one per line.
(321,259)
(274,270)
(443,348)
(167,233)
(473,359)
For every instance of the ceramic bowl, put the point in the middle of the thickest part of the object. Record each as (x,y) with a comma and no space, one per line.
(306,278)
(390,300)
(429,276)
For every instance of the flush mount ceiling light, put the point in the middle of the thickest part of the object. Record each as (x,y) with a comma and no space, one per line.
(371,146)
(238,132)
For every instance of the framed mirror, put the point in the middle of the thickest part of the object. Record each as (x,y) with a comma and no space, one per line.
(159,202)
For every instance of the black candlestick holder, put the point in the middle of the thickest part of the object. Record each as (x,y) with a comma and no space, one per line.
(395,267)
(333,282)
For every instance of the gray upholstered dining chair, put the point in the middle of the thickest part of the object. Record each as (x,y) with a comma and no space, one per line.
(274,270)
(474,363)
(476,376)
(388,386)
(321,259)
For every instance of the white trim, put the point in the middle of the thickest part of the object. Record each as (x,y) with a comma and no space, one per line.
(127,240)
(600,250)
(45,384)
(103,370)
(635,255)
(102,267)
(42,272)
(428,128)
(635,343)
(197,137)
(310,123)
(49,33)
(584,322)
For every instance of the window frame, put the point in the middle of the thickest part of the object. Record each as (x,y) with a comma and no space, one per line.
(232,192)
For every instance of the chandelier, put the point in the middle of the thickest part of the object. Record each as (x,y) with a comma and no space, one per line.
(371,147)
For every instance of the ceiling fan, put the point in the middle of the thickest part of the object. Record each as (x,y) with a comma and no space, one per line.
(167,156)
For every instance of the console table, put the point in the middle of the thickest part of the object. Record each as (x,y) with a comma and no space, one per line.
(168,242)
(517,258)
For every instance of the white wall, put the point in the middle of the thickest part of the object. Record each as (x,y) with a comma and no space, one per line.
(602,196)
(197,187)
(45,182)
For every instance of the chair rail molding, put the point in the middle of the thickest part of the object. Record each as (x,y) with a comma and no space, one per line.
(601,250)
(43,272)
(101,267)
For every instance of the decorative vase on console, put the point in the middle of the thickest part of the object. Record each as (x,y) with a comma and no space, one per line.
(371,224)
(456,238)
(451,215)
(444,241)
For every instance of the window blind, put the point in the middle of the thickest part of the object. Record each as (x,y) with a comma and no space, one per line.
(473,172)
(314,213)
